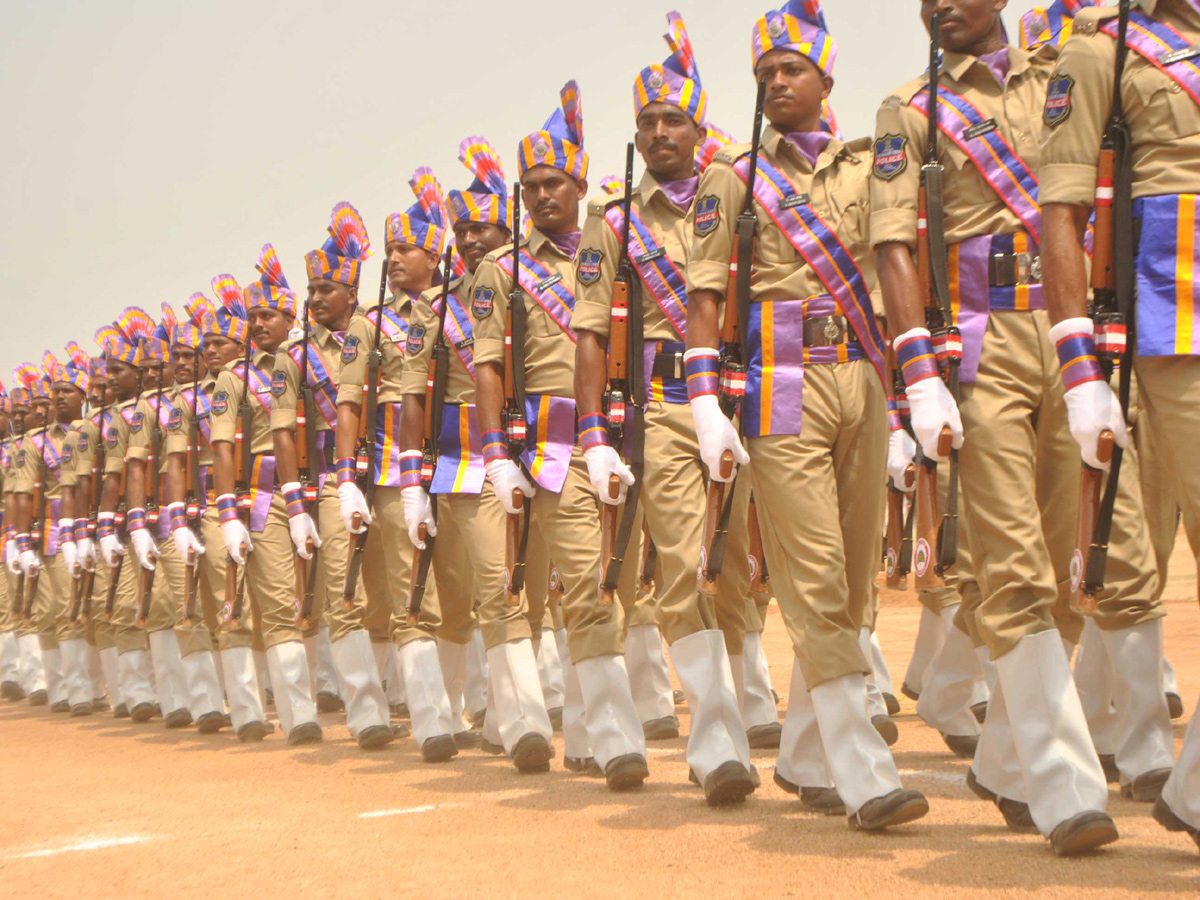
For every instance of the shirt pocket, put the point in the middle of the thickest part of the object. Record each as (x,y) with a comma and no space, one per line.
(538,323)
(1166,113)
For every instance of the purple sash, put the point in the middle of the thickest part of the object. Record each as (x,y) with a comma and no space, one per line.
(260,386)
(460,452)
(325,393)
(262,489)
(1164,48)
(394,327)
(660,275)
(552,439)
(460,333)
(50,528)
(546,289)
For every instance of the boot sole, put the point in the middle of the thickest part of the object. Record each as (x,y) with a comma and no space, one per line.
(892,704)
(909,693)
(81,709)
(664,729)
(210,723)
(307,733)
(1146,788)
(728,784)
(1087,837)
(626,772)
(376,737)
(962,746)
(253,732)
(439,749)
(531,754)
(180,718)
(143,712)
(910,810)
(887,729)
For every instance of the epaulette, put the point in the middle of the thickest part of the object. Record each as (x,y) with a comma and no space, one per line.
(730,154)
(601,203)
(1087,20)
(903,95)
(501,252)
(858,145)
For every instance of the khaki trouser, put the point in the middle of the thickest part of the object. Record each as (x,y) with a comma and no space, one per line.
(210,587)
(6,617)
(1170,395)
(397,557)
(543,613)
(17,621)
(170,587)
(820,505)
(568,524)
(469,563)
(673,497)
(102,630)
(124,618)
(332,561)
(375,594)
(1158,493)
(59,584)
(270,574)
(1015,424)
(640,603)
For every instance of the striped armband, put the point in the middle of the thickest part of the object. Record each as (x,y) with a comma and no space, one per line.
(916,358)
(702,368)
(227,508)
(894,422)
(177,515)
(1077,359)
(293,496)
(345,468)
(593,431)
(410,469)
(81,530)
(105,524)
(135,519)
(66,531)
(494,445)
(24,542)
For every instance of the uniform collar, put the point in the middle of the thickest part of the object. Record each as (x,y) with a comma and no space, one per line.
(776,146)
(957,65)
(538,240)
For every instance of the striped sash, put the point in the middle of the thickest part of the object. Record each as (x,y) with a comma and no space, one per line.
(546,289)
(325,393)
(460,333)
(460,452)
(661,276)
(260,385)
(1164,48)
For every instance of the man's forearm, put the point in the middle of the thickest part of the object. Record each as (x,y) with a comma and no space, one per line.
(285,455)
(135,483)
(110,495)
(489,396)
(591,372)
(1064,269)
(412,422)
(901,288)
(222,468)
(348,415)
(703,330)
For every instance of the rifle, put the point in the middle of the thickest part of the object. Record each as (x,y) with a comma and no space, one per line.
(38,529)
(87,587)
(512,417)
(77,572)
(732,385)
(191,503)
(365,450)
(435,403)
(1113,300)
(947,341)
(146,576)
(306,452)
(110,597)
(760,578)
(243,463)
(898,546)
(623,395)
(649,562)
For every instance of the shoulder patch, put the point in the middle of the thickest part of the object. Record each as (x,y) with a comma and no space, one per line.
(481,302)
(891,156)
(20,458)
(110,437)
(278,382)
(82,443)
(1058,100)
(708,215)
(587,270)
(350,349)
(136,422)
(67,454)
(174,422)
(220,403)
(416,340)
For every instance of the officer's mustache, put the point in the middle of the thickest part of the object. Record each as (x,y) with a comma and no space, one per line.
(474,247)
(664,144)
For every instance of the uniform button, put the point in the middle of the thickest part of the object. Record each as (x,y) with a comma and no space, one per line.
(1174,87)
(1021,136)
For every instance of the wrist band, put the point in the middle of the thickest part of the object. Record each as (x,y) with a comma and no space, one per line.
(593,431)
(1077,359)
(703,371)
(227,508)
(894,421)
(24,542)
(494,445)
(81,530)
(410,469)
(916,359)
(105,524)
(135,519)
(344,469)
(177,515)
(293,496)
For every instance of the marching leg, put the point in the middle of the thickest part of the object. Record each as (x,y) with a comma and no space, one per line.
(801,768)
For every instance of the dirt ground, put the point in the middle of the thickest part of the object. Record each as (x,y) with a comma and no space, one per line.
(95,807)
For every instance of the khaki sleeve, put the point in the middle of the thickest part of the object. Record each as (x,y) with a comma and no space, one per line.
(176,438)
(68,473)
(1071,145)
(115,443)
(138,445)
(415,374)
(25,466)
(355,350)
(489,330)
(285,392)
(85,449)
(896,173)
(225,407)
(595,271)
(719,200)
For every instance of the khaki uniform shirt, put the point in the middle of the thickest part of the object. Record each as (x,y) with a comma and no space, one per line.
(140,441)
(671,227)
(972,206)
(838,191)
(29,460)
(360,339)
(285,380)
(227,396)
(179,427)
(116,437)
(1163,120)
(549,351)
(460,386)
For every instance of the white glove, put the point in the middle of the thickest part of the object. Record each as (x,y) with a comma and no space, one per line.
(110,549)
(931,408)
(716,434)
(353,501)
(12,559)
(237,540)
(418,511)
(603,462)
(901,450)
(303,529)
(69,554)
(1092,407)
(143,547)
(85,553)
(185,540)
(29,563)
(506,477)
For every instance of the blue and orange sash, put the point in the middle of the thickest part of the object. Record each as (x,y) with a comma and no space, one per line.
(260,385)
(325,393)
(997,162)
(460,333)
(262,489)
(51,454)
(822,250)
(394,327)
(203,411)
(545,287)
(460,452)
(661,276)
(552,439)
(1164,48)
(1168,275)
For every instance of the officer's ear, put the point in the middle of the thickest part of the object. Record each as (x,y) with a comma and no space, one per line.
(581,188)
(353,291)
(827,81)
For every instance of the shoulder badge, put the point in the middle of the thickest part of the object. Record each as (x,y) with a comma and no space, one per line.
(1058,100)
(891,156)
(278,382)
(350,350)
(220,403)
(708,214)
(416,340)
(135,423)
(110,437)
(67,454)
(588,269)
(481,302)
(20,458)
(82,443)
(174,421)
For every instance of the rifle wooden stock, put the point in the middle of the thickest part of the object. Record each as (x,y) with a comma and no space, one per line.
(19,596)
(304,599)
(31,588)
(76,597)
(926,527)
(412,609)
(110,596)
(87,588)
(609,514)
(190,584)
(713,511)
(235,588)
(1103,263)
(145,592)
(759,576)
(512,549)
(1090,482)
(649,560)
(896,566)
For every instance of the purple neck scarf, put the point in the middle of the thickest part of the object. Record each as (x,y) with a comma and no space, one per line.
(997,62)
(809,144)
(566,243)
(681,193)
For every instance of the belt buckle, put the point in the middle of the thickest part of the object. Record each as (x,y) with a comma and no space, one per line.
(833,330)
(678,366)
(1029,268)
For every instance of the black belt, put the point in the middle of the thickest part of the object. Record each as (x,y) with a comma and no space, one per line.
(668,366)
(327,454)
(1012,269)
(828,331)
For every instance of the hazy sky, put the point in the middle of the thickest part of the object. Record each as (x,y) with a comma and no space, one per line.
(151,144)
